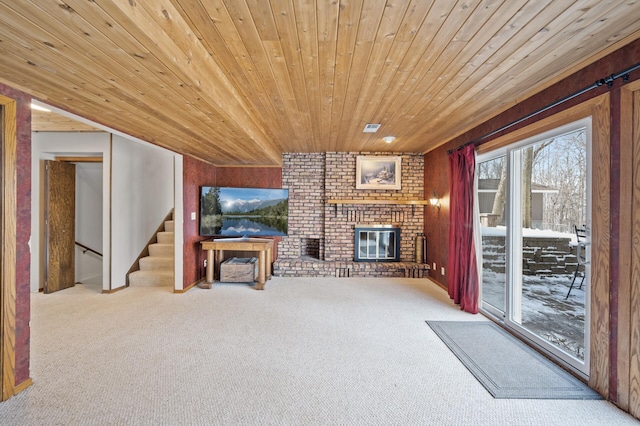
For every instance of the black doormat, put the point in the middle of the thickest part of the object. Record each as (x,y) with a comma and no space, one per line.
(505,366)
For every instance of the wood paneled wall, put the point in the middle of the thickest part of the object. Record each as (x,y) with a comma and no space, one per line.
(436,221)
(195,173)
(16,200)
(8,237)
(628,312)
(600,342)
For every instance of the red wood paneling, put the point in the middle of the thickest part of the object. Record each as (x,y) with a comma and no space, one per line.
(196,173)
(436,221)
(23,230)
(249,177)
(252,177)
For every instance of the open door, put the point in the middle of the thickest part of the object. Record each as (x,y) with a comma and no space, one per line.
(60,188)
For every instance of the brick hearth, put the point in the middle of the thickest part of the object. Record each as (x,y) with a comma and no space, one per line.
(320,239)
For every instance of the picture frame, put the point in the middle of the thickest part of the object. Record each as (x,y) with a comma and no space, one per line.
(378,172)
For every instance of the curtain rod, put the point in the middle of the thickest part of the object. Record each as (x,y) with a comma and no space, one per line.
(607,80)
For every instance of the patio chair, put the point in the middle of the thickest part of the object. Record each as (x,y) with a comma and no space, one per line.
(581,255)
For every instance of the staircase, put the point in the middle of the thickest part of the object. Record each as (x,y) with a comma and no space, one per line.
(157,269)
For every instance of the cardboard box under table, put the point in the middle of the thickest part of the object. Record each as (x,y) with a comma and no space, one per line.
(215,249)
(239,270)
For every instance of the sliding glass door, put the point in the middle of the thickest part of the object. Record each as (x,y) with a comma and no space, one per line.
(492,187)
(535,205)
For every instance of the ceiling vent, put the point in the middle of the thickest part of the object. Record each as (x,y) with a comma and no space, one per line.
(371,128)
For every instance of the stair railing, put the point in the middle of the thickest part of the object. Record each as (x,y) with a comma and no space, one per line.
(86,249)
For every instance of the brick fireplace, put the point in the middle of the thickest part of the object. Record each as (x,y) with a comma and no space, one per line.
(321,235)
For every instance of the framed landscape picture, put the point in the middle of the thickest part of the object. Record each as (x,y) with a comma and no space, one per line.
(376,172)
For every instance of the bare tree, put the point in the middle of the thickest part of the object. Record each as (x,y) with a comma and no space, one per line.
(529,156)
(563,168)
(498,201)
(560,165)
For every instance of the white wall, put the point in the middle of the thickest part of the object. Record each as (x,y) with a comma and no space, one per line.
(178,220)
(142,194)
(137,193)
(46,145)
(89,194)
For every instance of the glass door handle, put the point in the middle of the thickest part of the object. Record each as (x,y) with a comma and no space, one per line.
(582,259)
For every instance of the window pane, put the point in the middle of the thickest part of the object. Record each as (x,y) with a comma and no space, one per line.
(554,203)
(492,187)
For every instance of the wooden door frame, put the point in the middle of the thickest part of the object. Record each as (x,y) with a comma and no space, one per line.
(628,312)
(598,108)
(8,220)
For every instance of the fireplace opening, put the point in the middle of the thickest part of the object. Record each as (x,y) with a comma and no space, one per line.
(310,247)
(377,243)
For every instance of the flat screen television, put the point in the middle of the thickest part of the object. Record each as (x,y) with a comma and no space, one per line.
(243,212)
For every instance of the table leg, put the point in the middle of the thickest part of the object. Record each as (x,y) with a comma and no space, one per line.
(210,270)
(219,255)
(269,262)
(262,268)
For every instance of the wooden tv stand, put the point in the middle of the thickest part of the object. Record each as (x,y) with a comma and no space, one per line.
(216,247)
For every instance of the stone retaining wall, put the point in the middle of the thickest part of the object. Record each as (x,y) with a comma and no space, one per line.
(540,255)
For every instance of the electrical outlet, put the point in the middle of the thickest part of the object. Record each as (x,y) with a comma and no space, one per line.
(442,271)
(434,266)
(205,263)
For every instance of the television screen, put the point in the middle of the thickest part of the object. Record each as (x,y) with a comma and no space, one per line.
(243,212)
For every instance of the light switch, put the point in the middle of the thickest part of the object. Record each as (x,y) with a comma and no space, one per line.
(193,215)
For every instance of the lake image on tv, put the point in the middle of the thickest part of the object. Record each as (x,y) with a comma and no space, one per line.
(237,212)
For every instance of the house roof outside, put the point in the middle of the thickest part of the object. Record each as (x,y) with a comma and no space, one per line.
(491,185)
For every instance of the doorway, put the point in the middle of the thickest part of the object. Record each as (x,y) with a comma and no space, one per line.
(90,152)
(533,195)
(78,182)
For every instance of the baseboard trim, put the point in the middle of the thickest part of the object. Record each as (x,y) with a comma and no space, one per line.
(114,290)
(192,285)
(22,386)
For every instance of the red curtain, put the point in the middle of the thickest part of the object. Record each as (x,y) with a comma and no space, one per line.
(463,273)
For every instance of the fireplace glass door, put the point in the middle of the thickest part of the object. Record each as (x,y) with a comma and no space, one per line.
(377,244)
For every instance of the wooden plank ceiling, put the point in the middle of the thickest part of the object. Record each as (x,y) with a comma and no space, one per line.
(238,82)
(52,122)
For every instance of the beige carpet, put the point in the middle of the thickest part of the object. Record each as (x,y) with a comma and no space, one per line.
(302,352)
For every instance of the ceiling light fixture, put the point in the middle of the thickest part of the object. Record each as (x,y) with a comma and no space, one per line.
(389,139)
(39,108)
